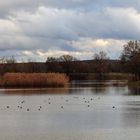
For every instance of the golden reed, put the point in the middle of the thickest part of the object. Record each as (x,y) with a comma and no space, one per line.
(34,80)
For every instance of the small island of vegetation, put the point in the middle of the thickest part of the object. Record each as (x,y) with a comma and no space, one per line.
(17,80)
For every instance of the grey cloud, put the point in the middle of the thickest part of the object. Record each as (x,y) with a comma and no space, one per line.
(69,25)
(9,6)
(53,25)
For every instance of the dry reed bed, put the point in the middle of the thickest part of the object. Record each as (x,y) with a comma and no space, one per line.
(34,80)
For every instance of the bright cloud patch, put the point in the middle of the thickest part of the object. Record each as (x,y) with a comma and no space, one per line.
(94,46)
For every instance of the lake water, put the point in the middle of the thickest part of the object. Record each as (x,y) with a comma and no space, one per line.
(87,110)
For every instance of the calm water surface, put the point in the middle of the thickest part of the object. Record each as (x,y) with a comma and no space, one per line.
(88,110)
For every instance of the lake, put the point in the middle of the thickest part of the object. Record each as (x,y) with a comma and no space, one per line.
(87,110)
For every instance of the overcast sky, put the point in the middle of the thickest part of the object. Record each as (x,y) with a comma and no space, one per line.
(36,29)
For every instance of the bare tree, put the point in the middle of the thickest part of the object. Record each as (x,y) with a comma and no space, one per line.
(52,65)
(67,62)
(66,58)
(130,57)
(51,59)
(100,65)
(8,60)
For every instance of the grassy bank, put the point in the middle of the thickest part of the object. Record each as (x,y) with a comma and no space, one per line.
(134,84)
(107,76)
(120,76)
(17,80)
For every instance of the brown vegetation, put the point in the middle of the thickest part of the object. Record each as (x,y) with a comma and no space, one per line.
(121,76)
(134,84)
(16,80)
(106,76)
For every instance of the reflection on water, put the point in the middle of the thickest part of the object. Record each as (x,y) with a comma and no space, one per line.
(86,110)
(93,83)
(30,91)
(134,91)
(131,112)
(112,87)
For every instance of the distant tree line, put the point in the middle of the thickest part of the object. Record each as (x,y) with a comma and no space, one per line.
(101,64)
(64,64)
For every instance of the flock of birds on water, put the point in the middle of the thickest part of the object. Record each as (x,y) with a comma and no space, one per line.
(87,102)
